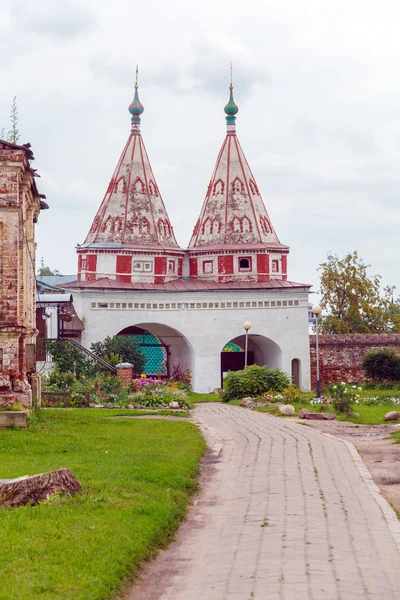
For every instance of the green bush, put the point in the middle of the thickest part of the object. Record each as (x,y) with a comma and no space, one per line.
(382,364)
(343,397)
(293,394)
(154,395)
(121,345)
(71,360)
(253,381)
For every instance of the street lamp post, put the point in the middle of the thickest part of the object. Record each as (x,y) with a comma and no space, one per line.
(316,310)
(247,326)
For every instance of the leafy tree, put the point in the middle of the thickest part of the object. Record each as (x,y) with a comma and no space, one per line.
(121,345)
(13,134)
(45,271)
(353,299)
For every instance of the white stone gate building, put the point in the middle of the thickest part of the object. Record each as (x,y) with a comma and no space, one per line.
(185,306)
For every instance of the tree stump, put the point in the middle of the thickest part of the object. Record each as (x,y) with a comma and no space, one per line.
(30,489)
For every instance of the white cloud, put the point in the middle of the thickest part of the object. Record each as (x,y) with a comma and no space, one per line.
(319,120)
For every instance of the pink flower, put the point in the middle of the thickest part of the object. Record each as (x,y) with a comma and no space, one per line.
(74,363)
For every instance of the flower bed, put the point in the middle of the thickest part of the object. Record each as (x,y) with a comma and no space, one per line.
(65,399)
(68,390)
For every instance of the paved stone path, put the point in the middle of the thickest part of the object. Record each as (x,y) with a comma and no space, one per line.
(285,515)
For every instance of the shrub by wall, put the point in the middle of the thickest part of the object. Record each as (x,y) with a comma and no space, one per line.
(382,364)
(253,381)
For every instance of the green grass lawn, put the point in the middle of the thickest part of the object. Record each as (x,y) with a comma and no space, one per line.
(372,415)
(396,439)
(194,397)
(137,477)
(140,412)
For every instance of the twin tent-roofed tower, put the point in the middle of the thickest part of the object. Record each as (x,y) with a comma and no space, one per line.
(187,308)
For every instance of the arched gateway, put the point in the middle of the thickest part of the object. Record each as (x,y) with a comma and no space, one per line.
(168,353)
(261,351)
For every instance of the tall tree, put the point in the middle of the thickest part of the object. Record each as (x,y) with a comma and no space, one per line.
(13,134)
(44,270)
(353,299)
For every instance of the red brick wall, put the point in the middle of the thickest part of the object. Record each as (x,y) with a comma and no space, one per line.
(340,356)
(125,375)
(20,205)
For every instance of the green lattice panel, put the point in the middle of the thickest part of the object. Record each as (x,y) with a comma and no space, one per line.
(155,353)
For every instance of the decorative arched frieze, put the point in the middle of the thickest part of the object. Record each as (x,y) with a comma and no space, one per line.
(265,224)
(241,224)
(138,186)
(144,225)
(218,187)
(237,186)
(246,225)
(236,224)
(108,225)
(253,187)
(216,225)
(120,185)
(117,224)
(153,190)
(164,227)
(132,223)
(206,227)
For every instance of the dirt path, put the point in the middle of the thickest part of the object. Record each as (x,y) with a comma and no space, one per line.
(285,514)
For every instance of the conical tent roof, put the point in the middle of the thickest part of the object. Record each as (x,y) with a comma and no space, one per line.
(132,212)
(233,212)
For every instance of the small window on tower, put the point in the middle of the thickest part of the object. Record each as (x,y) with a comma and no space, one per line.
(171,266)
(207,266)
(244,264)
(138,266)
(275,266)
(147,266)
(84,263)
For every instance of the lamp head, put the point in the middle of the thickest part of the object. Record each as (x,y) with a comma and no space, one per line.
(247,325)
(316,310)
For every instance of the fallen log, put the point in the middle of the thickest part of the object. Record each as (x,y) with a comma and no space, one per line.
(31,489)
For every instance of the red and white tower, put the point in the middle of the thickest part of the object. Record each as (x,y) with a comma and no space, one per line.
(234,239)
(131,238)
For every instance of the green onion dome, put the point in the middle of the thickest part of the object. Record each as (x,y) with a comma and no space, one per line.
(136,107)
(231,108)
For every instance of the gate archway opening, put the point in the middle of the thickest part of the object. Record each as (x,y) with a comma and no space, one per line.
(168,353)
(261,351)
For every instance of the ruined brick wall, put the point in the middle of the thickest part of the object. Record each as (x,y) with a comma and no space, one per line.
(20,205)
(341,355)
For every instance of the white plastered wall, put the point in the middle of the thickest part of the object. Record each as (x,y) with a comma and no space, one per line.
(205,331)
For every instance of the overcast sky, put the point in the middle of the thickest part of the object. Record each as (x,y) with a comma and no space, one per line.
(318,88)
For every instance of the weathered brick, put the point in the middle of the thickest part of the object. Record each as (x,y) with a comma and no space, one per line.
(20,204)
(340,356)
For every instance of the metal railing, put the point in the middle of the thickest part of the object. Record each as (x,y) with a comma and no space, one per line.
(81,348)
